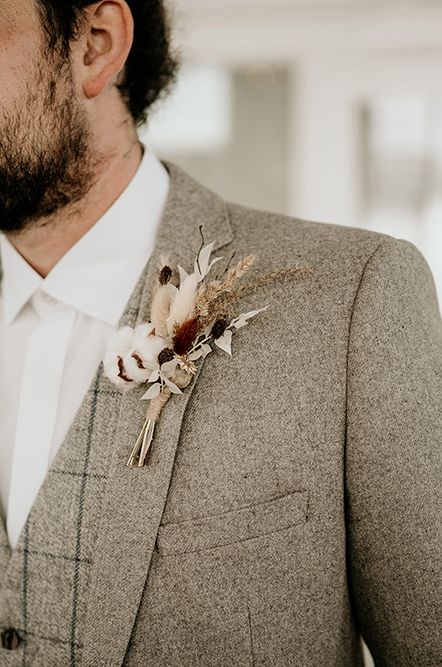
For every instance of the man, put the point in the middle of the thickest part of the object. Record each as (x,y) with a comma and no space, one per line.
(292,498)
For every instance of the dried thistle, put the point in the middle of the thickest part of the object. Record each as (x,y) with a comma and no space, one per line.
(219,327)
(166,354)
(165,274)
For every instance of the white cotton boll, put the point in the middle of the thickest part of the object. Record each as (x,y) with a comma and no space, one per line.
(142,331)
(133,370)
(133,354)
(120,341)
(112,371)
(148,346)
(118,346)
(184,303)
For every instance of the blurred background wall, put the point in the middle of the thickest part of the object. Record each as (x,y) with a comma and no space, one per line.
(329,110)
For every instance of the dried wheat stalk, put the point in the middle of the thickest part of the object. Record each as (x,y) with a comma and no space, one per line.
(221,301)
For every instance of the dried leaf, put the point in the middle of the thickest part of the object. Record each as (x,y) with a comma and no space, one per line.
(172,386)
(201,351)
(216,259)
(183,274)
(168,366)
(153,377)
(193,356)
(152,392)
(241,320)
(203,261)
(206,349)
(225,341)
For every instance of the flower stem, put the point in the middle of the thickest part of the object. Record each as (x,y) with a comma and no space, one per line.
(200,343)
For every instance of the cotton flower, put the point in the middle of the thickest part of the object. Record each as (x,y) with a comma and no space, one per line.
(145,350)
(132,355)
(118,347)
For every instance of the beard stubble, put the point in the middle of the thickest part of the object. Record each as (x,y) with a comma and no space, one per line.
(47,161)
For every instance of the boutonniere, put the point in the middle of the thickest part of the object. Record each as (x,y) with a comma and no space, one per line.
(185,319)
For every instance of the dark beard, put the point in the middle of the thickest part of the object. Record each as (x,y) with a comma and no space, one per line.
(45,154)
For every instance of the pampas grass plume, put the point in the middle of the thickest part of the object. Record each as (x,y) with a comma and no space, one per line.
(160,308)
(184,303)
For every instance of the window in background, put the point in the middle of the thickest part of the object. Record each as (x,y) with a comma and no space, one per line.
(402,166)
(228,129)
(197,117)
(348,141)
(367,150)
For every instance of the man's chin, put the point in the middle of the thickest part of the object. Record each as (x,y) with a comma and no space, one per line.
(15,220)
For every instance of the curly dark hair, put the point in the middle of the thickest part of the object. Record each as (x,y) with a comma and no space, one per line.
(151,67)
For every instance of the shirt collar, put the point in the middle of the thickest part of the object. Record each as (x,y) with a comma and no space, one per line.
(98,274)
(19,280)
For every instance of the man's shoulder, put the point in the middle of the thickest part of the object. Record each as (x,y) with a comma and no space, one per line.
(277,234)
(339,255)
(277,238)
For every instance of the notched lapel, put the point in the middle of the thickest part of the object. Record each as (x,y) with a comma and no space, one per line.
(135,497)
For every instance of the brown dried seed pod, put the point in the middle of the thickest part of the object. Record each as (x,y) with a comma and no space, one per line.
(219,327)
(165,275)
(166,354)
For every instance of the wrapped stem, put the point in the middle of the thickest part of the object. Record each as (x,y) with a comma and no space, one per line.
(141,448)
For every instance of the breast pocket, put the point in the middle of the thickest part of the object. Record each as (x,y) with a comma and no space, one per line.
(237,525)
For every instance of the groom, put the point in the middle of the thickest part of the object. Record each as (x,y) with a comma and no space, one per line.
(292,498)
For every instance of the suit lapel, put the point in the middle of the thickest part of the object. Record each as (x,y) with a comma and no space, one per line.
(135,497)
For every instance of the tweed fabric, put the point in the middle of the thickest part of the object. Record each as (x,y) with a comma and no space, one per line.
(45,579)
(292,499)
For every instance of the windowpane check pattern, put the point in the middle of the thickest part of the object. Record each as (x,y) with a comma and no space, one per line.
(46,578)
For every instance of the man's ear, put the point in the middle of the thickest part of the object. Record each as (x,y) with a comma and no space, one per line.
(108,38)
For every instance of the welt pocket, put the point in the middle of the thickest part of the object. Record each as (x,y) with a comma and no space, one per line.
(243,523)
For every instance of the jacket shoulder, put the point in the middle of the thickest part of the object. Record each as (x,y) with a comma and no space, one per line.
(277,230)
(331,248)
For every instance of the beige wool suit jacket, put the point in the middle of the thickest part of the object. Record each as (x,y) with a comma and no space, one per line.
(292,499)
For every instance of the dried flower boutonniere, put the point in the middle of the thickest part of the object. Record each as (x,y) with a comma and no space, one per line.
(184,320)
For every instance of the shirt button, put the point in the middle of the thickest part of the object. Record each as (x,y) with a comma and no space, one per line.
(10,639)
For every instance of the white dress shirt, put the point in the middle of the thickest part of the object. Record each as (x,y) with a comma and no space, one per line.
(53,333)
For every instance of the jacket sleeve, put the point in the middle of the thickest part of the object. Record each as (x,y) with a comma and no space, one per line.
(393,462)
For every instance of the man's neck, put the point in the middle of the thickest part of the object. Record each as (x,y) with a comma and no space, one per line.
(43,246)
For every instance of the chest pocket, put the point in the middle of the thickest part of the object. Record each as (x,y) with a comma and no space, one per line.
(244,523)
